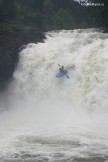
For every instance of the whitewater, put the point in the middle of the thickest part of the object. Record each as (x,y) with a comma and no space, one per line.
(49,119)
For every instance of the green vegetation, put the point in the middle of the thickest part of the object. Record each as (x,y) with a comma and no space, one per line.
(99,12)
(53,14)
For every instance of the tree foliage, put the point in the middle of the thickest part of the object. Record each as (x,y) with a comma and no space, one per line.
(54,14)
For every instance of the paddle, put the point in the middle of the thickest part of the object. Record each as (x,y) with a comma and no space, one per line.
(66,74)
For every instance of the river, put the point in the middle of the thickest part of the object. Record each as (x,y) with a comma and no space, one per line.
(49,119)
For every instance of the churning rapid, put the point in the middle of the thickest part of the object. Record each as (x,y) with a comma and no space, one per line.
(51,119)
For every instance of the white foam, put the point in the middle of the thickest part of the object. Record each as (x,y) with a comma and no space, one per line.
(41,104)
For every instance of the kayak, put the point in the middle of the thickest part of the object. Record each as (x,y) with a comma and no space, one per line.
(61,74)
(64,73)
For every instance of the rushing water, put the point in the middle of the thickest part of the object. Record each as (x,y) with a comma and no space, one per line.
(58,120)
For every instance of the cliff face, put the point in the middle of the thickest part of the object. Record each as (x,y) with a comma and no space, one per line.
(11,39)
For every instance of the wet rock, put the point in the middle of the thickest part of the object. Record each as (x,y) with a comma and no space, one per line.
(11,40)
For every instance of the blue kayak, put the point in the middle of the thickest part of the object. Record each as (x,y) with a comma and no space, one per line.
(61,74)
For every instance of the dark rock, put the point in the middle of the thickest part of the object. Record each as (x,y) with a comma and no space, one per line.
(104,30)
(11,39)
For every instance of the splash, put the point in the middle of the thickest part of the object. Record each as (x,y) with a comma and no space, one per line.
(87,86)
(55,119)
